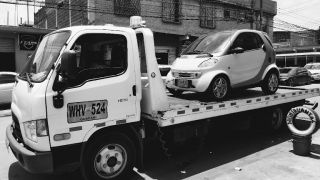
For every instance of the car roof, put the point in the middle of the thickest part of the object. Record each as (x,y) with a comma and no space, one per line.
(313,63)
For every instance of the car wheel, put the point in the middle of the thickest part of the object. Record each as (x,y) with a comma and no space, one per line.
(308,81)
(291,82)
(110,157)
(270,83)
(175,92)
(219,88)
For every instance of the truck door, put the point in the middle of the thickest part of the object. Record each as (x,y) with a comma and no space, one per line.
(101,93)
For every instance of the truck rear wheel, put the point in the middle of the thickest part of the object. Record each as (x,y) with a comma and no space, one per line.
(277,119)
(110,157)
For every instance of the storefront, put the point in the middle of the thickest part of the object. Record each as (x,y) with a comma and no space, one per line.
(16,44)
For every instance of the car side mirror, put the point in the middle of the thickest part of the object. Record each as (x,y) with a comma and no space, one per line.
(264,47)
(237,50)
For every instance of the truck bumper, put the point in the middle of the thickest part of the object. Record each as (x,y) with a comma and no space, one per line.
(34,162)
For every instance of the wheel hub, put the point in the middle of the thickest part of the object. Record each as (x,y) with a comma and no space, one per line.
(110,161)
(273,82)
(220,88)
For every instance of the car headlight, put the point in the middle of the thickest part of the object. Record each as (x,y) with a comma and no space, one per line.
(208,63)
(34,129)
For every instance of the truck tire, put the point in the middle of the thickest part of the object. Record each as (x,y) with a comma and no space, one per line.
(110,157)
(268,120)
(219,88)
(270,83)
(277,119)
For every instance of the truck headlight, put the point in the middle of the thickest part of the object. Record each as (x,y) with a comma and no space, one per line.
(208,63)
(34,129)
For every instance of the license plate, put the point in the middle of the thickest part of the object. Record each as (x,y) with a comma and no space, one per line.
(87,111)
(184,83)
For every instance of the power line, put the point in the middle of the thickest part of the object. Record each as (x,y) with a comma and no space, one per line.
(85,8)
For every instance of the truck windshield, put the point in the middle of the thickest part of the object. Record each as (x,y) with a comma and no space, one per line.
(40,63)
(211,43)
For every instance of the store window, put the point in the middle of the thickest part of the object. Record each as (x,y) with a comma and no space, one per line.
(171,11)
(280,62)
(127,7)
(207,14)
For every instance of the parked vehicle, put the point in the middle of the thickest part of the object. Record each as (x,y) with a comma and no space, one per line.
(68,114)
(314,69)
(7,80)
(164,69)
(216,63)
(293,76)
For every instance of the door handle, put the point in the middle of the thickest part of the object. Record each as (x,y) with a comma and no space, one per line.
(134,90)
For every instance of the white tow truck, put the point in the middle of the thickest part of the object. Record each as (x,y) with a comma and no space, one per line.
(90,96)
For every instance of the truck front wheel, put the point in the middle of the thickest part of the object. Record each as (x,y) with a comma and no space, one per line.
(110,157)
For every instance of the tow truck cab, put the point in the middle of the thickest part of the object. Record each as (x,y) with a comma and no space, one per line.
(79,85)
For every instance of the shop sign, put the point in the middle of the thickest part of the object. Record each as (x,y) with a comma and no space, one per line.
(29,42)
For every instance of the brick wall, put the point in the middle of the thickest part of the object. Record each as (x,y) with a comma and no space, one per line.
(63,14)
(51,19)
(79,12)
(151,11)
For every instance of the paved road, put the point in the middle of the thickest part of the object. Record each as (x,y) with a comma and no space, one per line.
(240,154)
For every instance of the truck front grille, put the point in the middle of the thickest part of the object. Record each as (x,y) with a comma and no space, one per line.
(16,128)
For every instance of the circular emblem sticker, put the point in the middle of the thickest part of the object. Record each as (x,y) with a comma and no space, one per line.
(299,117)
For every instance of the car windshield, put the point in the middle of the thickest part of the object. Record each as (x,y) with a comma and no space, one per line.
(40,63)
(312,66)
(211,43)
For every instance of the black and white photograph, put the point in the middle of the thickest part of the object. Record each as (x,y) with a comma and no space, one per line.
(159,89)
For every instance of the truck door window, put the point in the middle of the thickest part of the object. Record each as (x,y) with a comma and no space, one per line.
(99,56)
(143,63)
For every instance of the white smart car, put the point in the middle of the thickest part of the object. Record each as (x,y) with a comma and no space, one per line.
(215,63)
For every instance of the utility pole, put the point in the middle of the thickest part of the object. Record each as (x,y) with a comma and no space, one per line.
(261,15)
(8,18)
(28,12)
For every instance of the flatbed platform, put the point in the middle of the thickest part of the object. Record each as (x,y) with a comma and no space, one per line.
(192,106)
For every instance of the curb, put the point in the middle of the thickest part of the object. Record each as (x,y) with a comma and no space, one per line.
(4,113)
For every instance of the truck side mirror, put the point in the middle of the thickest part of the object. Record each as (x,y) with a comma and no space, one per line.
(68,66)
(66,71)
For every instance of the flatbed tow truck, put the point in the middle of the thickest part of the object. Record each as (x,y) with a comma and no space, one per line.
(66,116)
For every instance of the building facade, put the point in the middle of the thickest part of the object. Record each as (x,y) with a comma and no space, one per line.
(175,23)
(296,48)
(299,41)
(16,44)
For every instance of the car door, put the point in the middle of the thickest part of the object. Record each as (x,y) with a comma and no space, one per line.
(244,66)
(6,85)
(101,93)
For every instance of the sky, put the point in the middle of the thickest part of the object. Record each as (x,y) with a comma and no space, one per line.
(305,13)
